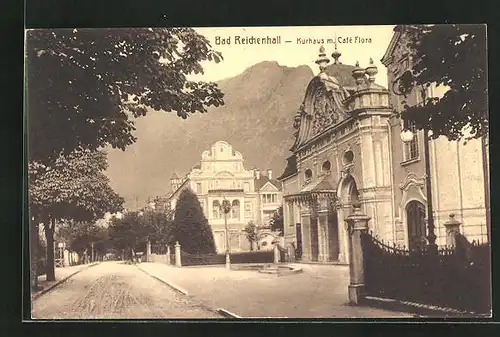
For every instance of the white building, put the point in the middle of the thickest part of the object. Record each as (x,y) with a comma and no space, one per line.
(221,175)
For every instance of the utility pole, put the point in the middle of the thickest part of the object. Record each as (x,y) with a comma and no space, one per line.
(92,252)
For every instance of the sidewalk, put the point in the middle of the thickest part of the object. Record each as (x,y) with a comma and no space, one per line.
(62,274)
(319,292)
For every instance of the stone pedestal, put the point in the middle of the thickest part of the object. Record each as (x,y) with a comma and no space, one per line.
(276,253)
(177,254)
(66,258)
(148,251)
(452,229)
(357,225)
(168,254)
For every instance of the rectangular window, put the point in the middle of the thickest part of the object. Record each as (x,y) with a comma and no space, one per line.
(411,148)
(198,188)
(273,199)
(248,209)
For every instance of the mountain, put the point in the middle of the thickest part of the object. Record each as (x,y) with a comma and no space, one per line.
(256,120)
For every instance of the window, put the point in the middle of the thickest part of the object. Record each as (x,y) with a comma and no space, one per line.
(216,209)
(411,147)
(235,209)
(248,209)
(326,167)
(246,187)
(198,188)
(308,174)
(348,157)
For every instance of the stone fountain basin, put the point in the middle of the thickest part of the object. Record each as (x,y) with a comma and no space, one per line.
(268,268)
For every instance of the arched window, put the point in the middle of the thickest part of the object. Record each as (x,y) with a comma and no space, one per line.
(348,157)
(326,167)
(235,209)
(308,174)
(415,219)
(216,209)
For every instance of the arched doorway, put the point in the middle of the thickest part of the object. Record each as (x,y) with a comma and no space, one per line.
(415,220)
(349,194)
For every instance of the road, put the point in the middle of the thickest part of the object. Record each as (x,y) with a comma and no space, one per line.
(114,290)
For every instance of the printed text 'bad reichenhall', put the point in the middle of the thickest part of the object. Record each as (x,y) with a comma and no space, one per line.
(250,40)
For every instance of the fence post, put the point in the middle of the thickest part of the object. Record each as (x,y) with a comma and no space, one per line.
(276,253)
(168,254)
(148,251)
(452,229)
(357,225)
(177,254)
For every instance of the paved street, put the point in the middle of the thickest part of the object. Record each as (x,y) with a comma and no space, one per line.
(116,290)
(319,292)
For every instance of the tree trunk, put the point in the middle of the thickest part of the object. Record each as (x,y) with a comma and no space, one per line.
(34,242)
(49,236)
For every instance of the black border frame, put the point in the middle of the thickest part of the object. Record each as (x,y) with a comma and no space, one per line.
(151,13)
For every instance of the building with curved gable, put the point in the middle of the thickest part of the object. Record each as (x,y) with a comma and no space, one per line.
(348,149)
(221,175)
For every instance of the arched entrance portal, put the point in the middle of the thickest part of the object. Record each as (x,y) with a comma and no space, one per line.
(415,219)
(347,194)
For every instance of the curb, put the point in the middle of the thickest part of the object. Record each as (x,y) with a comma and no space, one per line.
(49,288)
(227,314)
(422,309)
(171,285)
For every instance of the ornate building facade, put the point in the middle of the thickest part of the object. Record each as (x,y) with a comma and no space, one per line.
(348,149)
(221,175)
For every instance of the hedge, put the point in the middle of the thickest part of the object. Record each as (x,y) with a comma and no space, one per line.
(216,259)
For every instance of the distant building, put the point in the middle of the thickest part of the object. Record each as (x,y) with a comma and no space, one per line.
(221,175)
(348,149)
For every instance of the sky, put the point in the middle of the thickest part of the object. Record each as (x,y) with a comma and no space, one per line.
(355,43)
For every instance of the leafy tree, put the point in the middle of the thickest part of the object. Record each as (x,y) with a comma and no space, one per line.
(190,226)
(128,233)
(158,226)
(251,233)
(73,187)
(79,237)
(85,86)
(276,222)
(454,56)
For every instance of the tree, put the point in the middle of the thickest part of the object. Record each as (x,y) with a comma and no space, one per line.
(454,56)
(85,86)
(128,233)
(81,236)
(190,226)
(276,222)
(73,187)
(251,233)
(158,226)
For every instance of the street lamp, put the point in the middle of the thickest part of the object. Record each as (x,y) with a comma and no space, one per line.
(226,208)
(406,137)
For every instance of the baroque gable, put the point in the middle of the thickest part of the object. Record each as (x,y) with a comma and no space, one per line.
(323,106)
(398,58)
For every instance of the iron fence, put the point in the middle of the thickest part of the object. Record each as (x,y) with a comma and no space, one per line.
(458,278)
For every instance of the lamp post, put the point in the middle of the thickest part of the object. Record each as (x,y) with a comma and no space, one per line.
(407,136)
(226,208)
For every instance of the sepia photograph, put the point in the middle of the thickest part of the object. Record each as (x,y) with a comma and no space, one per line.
(222,173)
